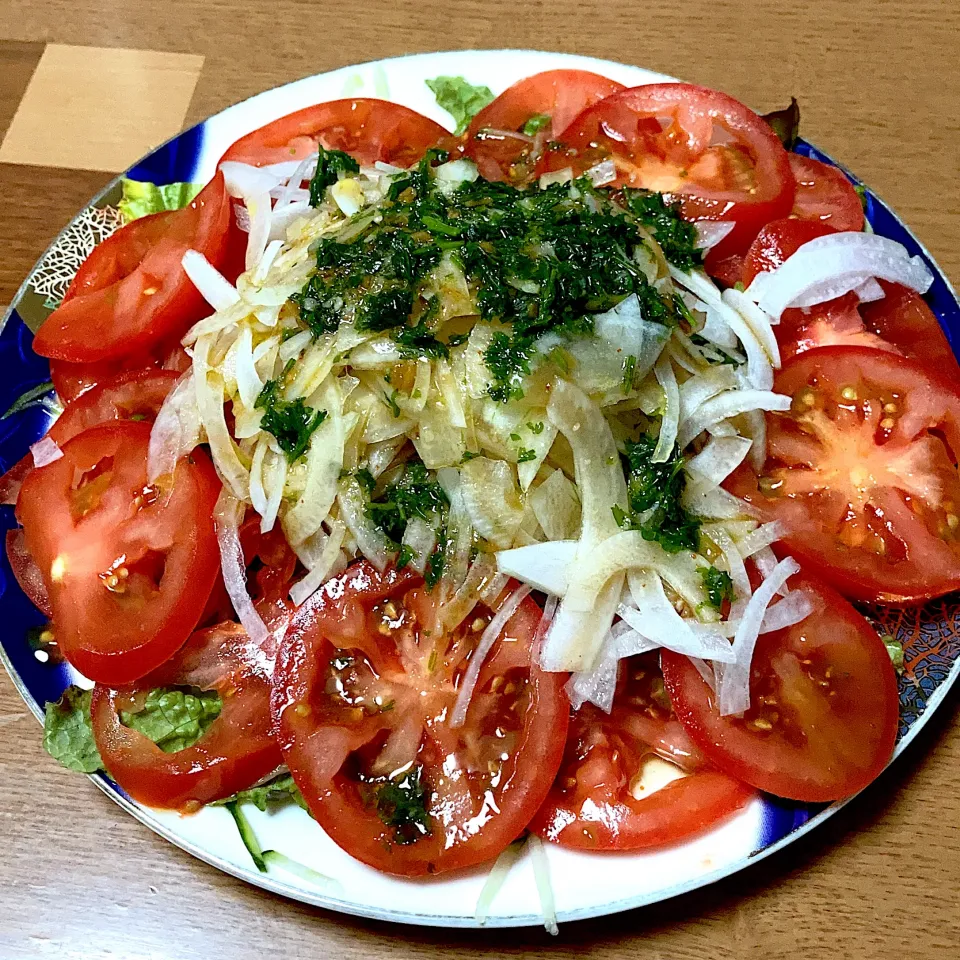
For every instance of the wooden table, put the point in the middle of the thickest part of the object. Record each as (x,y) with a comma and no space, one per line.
(85,82)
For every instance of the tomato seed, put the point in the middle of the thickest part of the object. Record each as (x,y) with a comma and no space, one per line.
(849,393)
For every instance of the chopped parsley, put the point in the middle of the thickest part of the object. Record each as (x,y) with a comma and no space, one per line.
(718,585)
(525,456)
(330,164)
(415,494)
(401,804)
(292,422)
(433,570)
(405,556)
(654,491)
(536,261)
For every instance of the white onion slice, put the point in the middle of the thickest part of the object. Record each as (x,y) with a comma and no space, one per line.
(670,421)
(711,232)
(45,450)
(176,431)
(734,688)
(214,287)
(719,458)
(544,566)
(487,640)
(727,405)
(602,173)
(322,569)
(228,514)
(830,266)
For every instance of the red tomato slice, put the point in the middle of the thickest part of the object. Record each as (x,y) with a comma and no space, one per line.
(369,130)
(862,473)
(128,567)
(27,573)
(238,748)
(705,148)
(362,699)
(133,396)
(825,195)
(495,139)
(904,320)
(131,293)
(824,710)
(777,241)
(596,802)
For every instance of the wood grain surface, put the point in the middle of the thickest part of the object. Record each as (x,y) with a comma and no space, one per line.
(879,84)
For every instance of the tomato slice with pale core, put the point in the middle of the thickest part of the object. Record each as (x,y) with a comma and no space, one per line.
(364,690)
(236,751)
(367,129)
(601,799)
(132,294)
(496,140)
(862,473)
(824,709)
(128,566)
(715,155)
(824,195)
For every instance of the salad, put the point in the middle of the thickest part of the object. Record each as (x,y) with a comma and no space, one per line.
(516,480)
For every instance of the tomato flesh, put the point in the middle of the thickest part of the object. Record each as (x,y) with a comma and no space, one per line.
(823,713)
(824,195)
(715,155)
(364,692)
(234,753)
(128,566)
(496,140)
(367,129)
(132,294)
(598,802)
(862,473)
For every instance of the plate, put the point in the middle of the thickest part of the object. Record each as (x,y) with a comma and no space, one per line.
(585,884)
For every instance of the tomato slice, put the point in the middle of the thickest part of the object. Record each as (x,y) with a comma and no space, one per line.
(904,320)
(496,140)
(364,691)
(134,396)
(238,748)
(131,293)
(825,195)
(26,572)
(778,241)
(862,473)
(705,148)
(824,709)
(367,129)
(128,566)
(598,802)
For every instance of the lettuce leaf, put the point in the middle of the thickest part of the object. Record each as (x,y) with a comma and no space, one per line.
(461,100)
(141,198)
(68,732)
(174,719)
(281,789)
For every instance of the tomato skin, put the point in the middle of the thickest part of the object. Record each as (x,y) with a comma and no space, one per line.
(777,241)
(904,320)
(26,572)
(333,752)
(811,747)
(131,293)
(560,94)
(825,195)
(709,181)
(84,517)
(592,805)
(367,129)
(841,484)
(236,751)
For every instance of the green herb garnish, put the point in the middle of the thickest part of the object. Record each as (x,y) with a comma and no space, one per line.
(330,164)
(401,803)
(718,585)
(460,99)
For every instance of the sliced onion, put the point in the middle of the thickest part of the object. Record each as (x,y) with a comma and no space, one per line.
(575,637)
(734,687)
(176,431)
(228,516)
(541,876)
(45,450)
(544,566)
(830,266)
(370,539)
(323,568)
(243,180)
(420,537)
(761,537)
(711,232)
(719,458)
(261,210)
(704,386)
(249,383)
(214,287)
(602,173)
(556,506)
(487,639)
(671,410)
(728,405)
